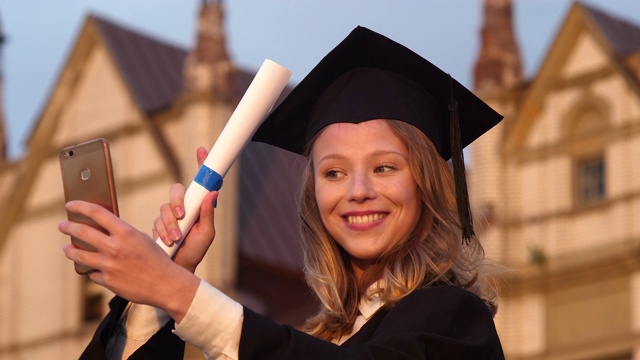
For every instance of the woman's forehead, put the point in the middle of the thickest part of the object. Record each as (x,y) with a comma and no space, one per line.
(370,126)
(341,132)
(350,139)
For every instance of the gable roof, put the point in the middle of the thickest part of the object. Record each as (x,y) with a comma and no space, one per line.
(151,68)
(622,35)
(617,38)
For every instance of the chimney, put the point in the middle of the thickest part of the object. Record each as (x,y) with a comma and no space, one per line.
(208,69)
(499,65)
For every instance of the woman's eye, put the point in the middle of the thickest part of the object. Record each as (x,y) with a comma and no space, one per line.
(332,174)
(384,168)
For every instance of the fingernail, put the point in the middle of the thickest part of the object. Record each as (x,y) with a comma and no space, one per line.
(175,235)
(178,211)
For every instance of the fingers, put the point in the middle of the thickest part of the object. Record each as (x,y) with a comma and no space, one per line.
(97,213)
(160,228)
(167,225)
(86,233)
(176,200)
(206,222)
(201,155)
(96,277)
(82,257)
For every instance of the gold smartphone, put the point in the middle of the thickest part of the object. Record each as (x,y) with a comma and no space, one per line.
(87,174)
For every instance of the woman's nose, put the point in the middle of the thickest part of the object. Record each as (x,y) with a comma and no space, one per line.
(362,187)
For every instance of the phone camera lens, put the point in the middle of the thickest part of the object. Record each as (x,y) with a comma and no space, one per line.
(71,153)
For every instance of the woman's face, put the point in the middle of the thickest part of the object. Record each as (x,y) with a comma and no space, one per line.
(366,195)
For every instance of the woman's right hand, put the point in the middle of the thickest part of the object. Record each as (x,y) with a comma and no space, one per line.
(200,237)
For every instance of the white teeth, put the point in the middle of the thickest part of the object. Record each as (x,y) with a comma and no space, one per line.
(364,219)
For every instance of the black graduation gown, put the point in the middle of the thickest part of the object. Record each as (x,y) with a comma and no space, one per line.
(442,322)
(163,345)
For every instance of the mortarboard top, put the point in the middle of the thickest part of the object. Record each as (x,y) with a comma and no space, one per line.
(368,76)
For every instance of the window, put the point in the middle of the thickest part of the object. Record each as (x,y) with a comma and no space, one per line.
(587,131)
(91,300)
(590,181)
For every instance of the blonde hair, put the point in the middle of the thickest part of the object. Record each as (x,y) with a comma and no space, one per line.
(432,253)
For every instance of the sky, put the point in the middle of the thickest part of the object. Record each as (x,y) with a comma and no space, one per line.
(297,34)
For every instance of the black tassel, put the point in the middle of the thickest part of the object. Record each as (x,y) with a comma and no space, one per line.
(459,174)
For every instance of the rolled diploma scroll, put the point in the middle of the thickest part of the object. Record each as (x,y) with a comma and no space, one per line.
(251,111)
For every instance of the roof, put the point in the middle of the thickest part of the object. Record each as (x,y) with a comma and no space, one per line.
(269,225)
(622,35)
(152,68)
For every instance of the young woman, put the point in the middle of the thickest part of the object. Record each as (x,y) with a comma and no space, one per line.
(387,237)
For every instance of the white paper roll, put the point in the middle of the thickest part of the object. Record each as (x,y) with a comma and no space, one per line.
(251,111)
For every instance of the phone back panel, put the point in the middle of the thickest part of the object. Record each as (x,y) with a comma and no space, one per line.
(87,175)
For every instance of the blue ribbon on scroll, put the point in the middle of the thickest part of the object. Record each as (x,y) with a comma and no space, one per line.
(208,178)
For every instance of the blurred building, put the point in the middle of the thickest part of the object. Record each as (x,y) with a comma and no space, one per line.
(155,103)
(558,186)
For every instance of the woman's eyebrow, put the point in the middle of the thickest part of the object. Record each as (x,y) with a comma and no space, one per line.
(332,156)
(387,152)
(335,156)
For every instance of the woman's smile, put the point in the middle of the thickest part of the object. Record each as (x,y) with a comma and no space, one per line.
(354,219)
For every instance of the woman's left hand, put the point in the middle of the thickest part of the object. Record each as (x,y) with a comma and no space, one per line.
(199,238)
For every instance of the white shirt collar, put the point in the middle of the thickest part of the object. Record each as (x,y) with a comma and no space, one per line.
(371,302)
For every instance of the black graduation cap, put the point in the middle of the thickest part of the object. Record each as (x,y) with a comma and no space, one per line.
(368,76)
